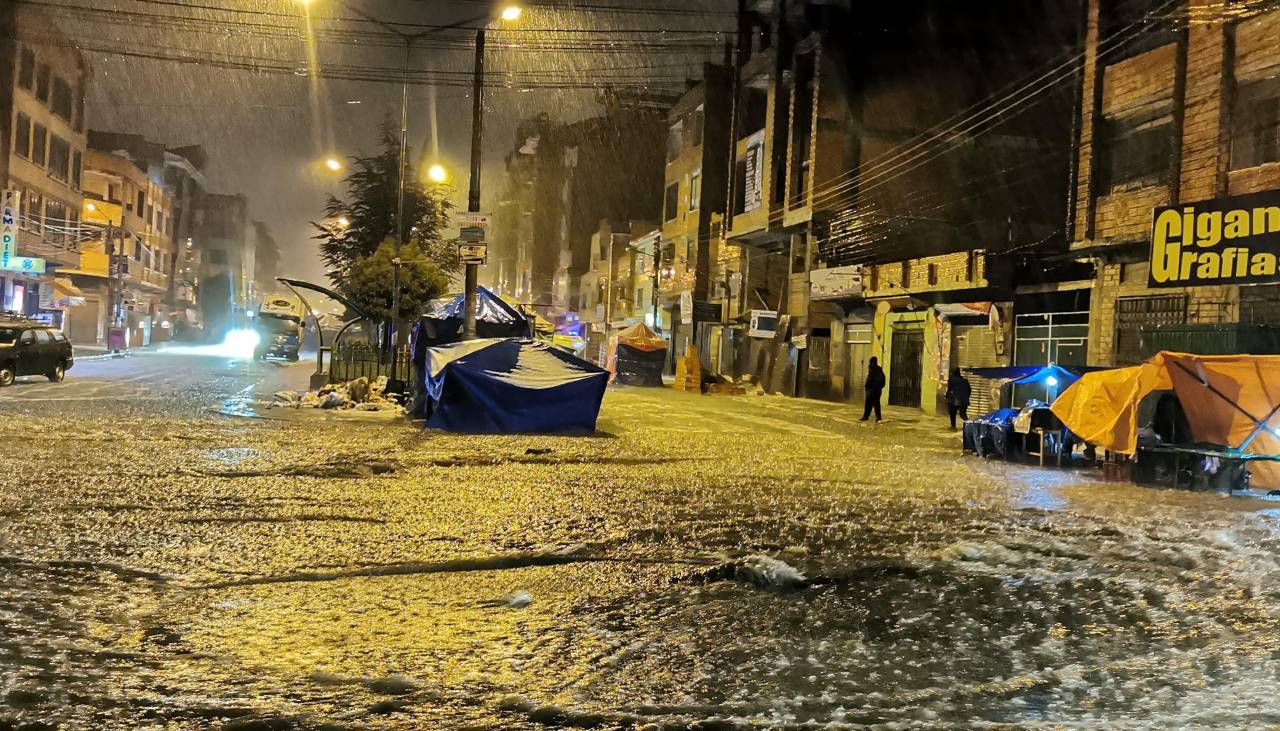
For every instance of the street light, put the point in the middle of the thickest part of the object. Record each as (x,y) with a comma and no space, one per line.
(333,164)
(511,13)
(343,222)
(437,173)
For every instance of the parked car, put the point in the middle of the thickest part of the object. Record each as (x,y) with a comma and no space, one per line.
(30,348)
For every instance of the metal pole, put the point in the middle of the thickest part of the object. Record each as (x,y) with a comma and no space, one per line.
(401,229)
(657,284)
(473,194)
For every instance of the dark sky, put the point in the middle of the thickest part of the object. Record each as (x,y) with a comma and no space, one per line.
(266,132)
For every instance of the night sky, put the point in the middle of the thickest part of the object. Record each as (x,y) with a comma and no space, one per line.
(266,131)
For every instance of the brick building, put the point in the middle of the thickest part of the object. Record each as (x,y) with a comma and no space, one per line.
(1174,113)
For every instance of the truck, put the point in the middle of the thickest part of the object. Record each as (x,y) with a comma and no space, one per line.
(279,326)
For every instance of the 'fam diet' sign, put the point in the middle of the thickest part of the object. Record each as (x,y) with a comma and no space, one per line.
(9,214)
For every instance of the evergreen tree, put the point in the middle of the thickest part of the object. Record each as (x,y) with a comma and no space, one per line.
(370,212)
(368,281)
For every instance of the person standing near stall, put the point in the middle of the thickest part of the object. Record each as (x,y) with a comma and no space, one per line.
(958,394)
(874,385)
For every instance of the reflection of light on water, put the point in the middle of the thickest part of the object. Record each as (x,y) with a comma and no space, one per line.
(239,344)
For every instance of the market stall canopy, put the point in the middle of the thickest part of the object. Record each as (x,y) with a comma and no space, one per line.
(636,356)
(1023,375)
(1229,400)
(511,386)
(442,322)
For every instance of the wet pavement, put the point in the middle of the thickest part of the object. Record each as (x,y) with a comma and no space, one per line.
(176,555)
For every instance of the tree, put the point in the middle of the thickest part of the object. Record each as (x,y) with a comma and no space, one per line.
(368,280)
(370,213)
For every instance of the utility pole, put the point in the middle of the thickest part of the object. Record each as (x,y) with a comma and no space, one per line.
(473,193)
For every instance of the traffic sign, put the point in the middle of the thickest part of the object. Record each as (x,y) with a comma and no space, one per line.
(473,253)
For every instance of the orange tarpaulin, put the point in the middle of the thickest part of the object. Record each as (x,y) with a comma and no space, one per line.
(638,336)
(1222,396)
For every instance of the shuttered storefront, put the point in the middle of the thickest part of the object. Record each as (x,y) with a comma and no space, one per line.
(974,346)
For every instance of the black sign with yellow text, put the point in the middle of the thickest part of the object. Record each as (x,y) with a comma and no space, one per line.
(1232,240)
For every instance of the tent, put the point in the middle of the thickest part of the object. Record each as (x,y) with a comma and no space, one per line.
(495,318)
(636,356)
(1229,400)
(511,385)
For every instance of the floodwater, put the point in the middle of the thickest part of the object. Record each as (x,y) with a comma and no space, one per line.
(708,562)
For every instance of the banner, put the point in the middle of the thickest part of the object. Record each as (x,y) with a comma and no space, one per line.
(10,214)
(753,185)
(1233,240)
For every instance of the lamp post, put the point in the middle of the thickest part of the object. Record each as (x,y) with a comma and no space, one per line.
(509,13)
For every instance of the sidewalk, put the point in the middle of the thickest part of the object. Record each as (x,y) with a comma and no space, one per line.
(100,352)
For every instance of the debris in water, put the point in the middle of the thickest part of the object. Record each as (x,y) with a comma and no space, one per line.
(520,600)
(761,571)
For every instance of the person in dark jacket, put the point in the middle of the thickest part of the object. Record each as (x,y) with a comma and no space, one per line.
(873,387)
(958,393)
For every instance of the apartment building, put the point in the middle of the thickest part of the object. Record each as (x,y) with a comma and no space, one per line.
(46,146)
(1179,132)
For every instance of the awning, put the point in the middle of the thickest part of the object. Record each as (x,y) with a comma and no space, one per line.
(63,287)
(82,272)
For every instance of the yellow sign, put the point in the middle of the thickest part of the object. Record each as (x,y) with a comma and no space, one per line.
(1222,241)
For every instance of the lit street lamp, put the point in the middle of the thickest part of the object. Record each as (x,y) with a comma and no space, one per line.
(437,174)
(333,164)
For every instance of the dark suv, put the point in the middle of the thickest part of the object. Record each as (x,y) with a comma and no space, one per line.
(29,348)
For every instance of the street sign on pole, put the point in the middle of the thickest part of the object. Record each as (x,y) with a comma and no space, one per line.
(473,253)
(473,227)
(10,214)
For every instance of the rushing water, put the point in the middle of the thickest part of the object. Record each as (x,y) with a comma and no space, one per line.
(712,563)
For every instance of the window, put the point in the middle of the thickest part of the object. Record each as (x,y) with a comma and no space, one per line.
(111,193)
(933,274)
(1134,26)
(150,218)
(42,337)
(22,136)
(27,69)
(1135,151)
(696,121)
(142,202)
(28,337)
(55,221)
(42,82)
(40,142)
(675,140)
(754,106)
(671,206)
(1255,132)
(57,336)
(77,164)
(59,158)
(35,211)
(61,104)
(695,190)
(740,185)
(79,125)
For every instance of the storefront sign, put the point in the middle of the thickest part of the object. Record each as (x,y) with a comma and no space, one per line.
(1233,240)
(753,186)
(836,282)
(686,307)
(24,264)
(800,342)
(763,323)
(10,214)
(473,253)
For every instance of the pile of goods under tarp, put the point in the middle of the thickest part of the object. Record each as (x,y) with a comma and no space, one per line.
(358,395)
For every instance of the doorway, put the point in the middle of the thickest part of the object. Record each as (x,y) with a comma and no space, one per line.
(906,367)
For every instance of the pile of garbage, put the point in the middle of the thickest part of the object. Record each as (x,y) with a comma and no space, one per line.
(358,395)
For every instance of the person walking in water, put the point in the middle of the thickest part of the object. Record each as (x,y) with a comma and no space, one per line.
(958,393)
(873,387)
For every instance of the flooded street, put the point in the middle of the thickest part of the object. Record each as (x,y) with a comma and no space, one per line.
(705,562)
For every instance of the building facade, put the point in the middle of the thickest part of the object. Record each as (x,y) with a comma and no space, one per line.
(1174,116)
(46,148)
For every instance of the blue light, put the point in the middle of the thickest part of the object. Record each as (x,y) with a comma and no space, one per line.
(1052,381)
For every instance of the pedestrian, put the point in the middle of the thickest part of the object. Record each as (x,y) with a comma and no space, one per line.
(873,387)
(958,393)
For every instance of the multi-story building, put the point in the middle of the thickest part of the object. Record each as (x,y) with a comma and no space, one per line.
(46,116)
(866,211)
(226,289)
(694,192)
(606,291)
(133,211)
(1179,144)
(562,180)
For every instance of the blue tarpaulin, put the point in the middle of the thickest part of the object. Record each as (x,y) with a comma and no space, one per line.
(990,434)
(512,386)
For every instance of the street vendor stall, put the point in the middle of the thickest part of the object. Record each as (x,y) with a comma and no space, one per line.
(511,386)
(636,357)
(1230,403)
